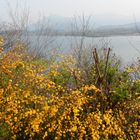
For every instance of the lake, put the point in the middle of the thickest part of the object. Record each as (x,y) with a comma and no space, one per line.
(125,47)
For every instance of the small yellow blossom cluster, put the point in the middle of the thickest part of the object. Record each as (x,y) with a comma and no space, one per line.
(2,41)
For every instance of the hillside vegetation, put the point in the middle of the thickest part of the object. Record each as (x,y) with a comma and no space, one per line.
(62,100)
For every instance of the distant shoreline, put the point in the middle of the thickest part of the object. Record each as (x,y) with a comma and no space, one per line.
(92,34)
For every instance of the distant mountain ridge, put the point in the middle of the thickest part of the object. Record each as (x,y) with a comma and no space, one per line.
(63,25)
(124,26)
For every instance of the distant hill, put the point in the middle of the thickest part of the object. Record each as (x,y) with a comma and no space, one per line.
(57,23)
(126,29)
(62,26)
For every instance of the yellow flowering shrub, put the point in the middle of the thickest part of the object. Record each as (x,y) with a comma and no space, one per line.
(50,101)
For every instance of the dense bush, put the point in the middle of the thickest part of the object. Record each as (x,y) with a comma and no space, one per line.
(52,100)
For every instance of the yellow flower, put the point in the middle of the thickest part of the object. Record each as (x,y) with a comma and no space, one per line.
(74,128)
(2,41)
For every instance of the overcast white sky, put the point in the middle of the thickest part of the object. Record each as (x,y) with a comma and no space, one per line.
(68,8)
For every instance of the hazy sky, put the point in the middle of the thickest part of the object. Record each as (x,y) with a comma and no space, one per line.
(68,8)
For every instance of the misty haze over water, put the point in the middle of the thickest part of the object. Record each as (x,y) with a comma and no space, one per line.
(107,16)
(127,48)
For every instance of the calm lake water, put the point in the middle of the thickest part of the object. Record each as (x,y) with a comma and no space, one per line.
(125,47)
